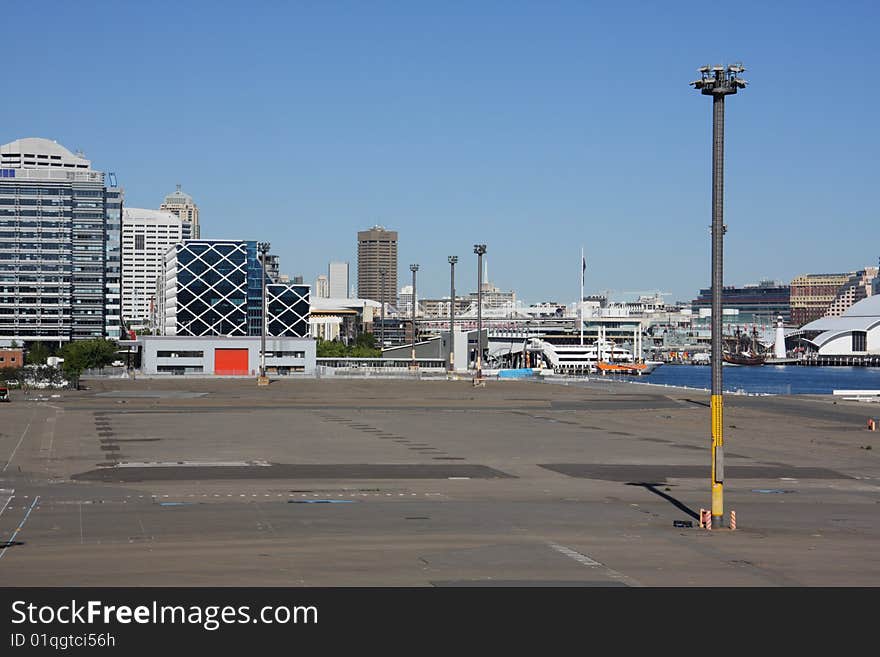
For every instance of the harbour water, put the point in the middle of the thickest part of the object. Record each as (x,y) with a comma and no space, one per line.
(771,379)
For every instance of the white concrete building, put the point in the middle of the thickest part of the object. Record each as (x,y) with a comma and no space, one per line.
(322,287)
(146,236)
(856,332)
(224,355)
(337,273)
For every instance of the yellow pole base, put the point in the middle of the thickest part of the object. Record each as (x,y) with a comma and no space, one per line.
(262,380)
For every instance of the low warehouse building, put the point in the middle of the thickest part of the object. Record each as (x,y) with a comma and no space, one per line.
(224,356)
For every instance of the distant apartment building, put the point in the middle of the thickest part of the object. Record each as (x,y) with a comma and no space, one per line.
(337,275)
(405,301)
(859,286)
(813,294)
(60,255)
(377,253)
(182,205)
(146,238)
(494,299)
(322,287)
(440,307)
(214,288)
(765,300)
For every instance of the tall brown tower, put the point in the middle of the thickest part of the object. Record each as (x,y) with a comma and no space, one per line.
(377,252)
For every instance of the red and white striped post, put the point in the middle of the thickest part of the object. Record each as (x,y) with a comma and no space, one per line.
(732,520)
(706,519)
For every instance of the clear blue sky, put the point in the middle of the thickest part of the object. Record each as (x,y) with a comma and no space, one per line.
(534,127)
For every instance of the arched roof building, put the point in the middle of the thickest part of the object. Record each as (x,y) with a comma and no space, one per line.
(855,332)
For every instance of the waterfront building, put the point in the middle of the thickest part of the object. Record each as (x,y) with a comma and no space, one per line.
(182,205)
(856,332)
(762,302)
(60,256)
(819,295)
(859,286)
(377,252)
(214,288)
(146,238)
(338,280)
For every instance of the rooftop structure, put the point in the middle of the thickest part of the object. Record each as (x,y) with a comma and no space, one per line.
(182,205)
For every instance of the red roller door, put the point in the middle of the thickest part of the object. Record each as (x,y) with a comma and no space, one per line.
(230,361)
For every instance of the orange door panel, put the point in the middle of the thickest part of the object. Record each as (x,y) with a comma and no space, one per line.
(230,361)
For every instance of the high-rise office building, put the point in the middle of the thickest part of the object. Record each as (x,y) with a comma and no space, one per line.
(146,237)
(182,205)
(60,255)
(377,252)
(214,287)
(337,275)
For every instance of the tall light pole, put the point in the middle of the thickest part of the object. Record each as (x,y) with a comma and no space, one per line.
(413,269)
(382,273)
(452,260)
(480,250)
(263,248)
(718,82)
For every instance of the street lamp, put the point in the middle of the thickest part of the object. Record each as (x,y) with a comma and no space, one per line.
(718,82)
(263,248)
(452,260)
(382,273)
(413,269)
(480,250)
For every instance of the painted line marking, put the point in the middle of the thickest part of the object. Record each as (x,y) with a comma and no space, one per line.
(573,554)
(592,563)
(20,526)
(23,434)
(8,500)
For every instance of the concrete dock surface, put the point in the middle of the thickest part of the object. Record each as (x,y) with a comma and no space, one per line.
(210,482)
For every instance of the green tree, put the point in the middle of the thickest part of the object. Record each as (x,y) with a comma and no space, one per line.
(330,349)
(365,340)
(86,355)
(37,354)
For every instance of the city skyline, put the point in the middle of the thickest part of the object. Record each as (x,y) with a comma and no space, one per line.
(519,136)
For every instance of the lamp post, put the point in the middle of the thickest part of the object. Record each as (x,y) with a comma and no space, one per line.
(718,82)
(382,273)
(452,260)
(480,250)
(263,248)
(413,269)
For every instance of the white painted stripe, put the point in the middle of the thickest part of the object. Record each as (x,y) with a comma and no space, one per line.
(20,526)
(592,563)
(8,499)
(23,434)
(577,556)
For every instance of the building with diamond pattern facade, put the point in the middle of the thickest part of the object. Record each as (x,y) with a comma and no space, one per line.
(214,288)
